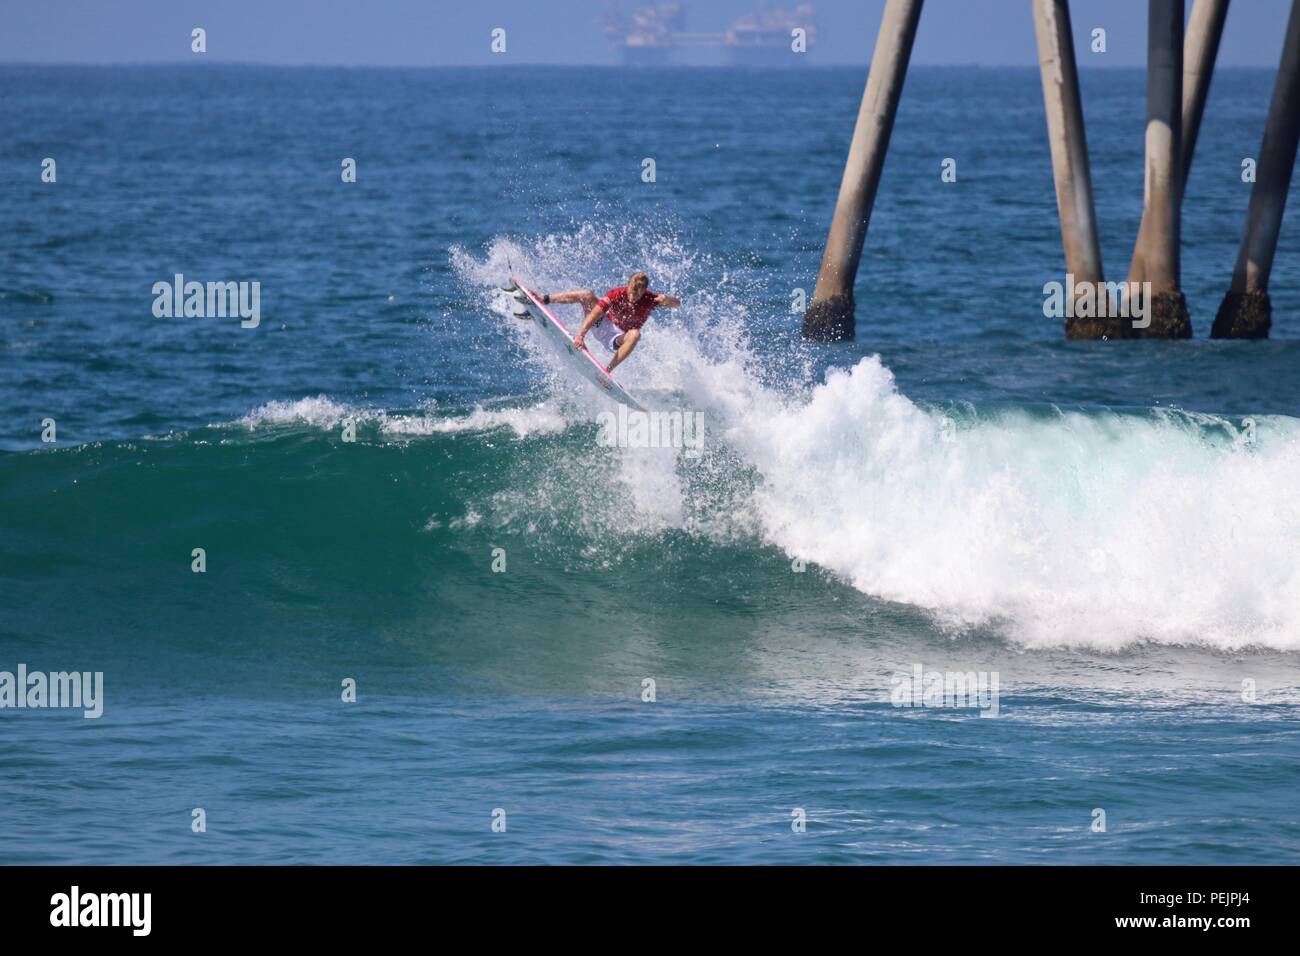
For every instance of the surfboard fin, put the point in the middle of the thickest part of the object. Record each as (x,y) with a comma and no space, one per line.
(515,293)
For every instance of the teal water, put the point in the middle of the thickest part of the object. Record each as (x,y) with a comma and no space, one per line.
(1111,528)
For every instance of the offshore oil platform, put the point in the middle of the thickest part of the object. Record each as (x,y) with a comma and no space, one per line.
(652,35)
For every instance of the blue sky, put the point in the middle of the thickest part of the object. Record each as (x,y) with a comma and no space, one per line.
(457,32)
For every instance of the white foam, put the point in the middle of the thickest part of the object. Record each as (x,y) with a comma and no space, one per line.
(539,419)
(319,411)
(1096,529)
(324,413)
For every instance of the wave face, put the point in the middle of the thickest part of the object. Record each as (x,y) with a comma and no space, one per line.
(1046,527)
(1055,527)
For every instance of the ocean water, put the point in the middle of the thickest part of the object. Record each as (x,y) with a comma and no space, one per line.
(1110,529)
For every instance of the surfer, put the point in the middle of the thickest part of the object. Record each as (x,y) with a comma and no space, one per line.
(616,317)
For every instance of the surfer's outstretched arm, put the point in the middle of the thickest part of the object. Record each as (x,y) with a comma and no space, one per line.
(592,318)
(664,301)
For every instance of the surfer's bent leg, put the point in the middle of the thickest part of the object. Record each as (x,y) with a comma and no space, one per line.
(584,297)
(626,343)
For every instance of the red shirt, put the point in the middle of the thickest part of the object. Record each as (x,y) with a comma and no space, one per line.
(620,310)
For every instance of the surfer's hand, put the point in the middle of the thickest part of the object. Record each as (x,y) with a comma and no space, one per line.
(577,343)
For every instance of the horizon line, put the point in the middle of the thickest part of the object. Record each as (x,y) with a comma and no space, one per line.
(839,64)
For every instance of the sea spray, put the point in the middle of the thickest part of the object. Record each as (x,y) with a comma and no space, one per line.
(1085,527)
(1079,528)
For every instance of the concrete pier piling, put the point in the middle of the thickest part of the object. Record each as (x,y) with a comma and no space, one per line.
(1200,50)
(830,315)
(1065,132)
(1204,31)
(1156,255)
(1246,311)
(1180,68)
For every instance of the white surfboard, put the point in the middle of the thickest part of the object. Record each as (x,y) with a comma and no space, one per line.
(555,332)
